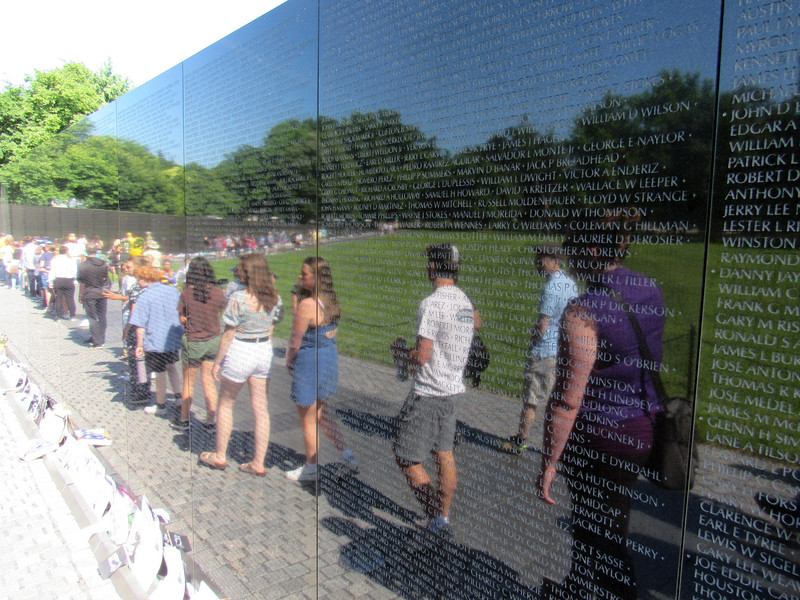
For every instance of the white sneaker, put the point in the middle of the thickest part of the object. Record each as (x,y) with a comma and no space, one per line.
(305,473)
(156,410)
(350,461)
(84,323)
(438,525)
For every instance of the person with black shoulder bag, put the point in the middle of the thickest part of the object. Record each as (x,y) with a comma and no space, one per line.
(598,420)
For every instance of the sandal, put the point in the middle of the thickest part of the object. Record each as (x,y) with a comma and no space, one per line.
(249,468)
(209,459)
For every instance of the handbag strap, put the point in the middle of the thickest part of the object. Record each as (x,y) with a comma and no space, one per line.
(644,349)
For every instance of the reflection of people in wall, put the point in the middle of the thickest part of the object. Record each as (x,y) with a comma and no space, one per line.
(313,359)
(540,368)
(599,416)
(427,421)
(93,279)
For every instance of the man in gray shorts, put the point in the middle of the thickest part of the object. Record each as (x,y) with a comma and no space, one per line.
(427,421)
(540,368)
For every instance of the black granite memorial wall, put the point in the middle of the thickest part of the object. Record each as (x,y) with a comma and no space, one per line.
(655,141)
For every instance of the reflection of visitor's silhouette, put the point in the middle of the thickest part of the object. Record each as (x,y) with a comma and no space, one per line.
(599,419)
(245,356)
(313,359)
(427,421)
(540,368)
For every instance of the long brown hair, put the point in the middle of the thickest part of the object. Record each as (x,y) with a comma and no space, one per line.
(200,275)
(324,287)
(254,272)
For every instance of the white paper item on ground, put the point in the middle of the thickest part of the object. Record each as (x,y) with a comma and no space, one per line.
(116,521)
(171,581)
(93,437)
(53,425)
(145,546)
(38,449)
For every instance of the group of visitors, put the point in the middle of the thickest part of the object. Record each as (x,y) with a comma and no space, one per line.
(53,271)
(232,245)
(228,341)
(586,362)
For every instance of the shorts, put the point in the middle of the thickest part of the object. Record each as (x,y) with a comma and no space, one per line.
(426,424)
(247,359)
(540,377)
(157,362)
(44,280)
(195,353)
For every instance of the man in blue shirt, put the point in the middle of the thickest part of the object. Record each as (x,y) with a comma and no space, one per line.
(159,333)
(540,368)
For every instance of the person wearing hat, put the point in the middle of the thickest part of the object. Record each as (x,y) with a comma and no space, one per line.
(540,368)
(427,422)
(75,251)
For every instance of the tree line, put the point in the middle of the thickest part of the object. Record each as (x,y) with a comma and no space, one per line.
(654,148)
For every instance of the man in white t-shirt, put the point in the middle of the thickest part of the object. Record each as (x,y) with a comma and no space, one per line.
(29,264)
(427,421)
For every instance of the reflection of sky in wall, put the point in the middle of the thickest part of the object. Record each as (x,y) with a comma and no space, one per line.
(460,70)
(236,90)
(759,48)
(464,70)
(103,120)
(152,115)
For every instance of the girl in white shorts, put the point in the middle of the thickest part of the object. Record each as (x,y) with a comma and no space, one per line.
(245,355)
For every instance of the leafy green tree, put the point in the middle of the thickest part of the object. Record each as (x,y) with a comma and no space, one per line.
(393,160)
(89,171)
(279,178)
(49,101)
(206,193)
(148,183)
(666,137)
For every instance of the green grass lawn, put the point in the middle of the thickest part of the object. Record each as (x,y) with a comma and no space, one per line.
(381,280)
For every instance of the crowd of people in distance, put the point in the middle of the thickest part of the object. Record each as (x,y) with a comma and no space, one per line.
(585,363)
(52,271)
(232,245)
(222,336)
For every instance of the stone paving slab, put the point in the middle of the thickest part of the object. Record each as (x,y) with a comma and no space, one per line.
(271,538)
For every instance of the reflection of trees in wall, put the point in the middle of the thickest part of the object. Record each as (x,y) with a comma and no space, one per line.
(49,101)
(379,164)
(277,178)
(666,139)
(148,183)
(372,166)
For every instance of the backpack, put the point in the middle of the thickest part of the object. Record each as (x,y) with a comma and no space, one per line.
(477,361)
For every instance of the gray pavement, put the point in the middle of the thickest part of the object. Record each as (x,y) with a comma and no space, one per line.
(348,536)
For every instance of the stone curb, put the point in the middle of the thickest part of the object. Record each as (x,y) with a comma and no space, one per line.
(101,545)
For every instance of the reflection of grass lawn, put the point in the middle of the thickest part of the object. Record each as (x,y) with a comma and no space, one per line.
(380,282)
(750,345)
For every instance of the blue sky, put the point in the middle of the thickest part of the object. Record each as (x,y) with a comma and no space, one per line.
(460,70)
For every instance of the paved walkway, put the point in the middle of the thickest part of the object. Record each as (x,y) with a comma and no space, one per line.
(348,537)
(45,555)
